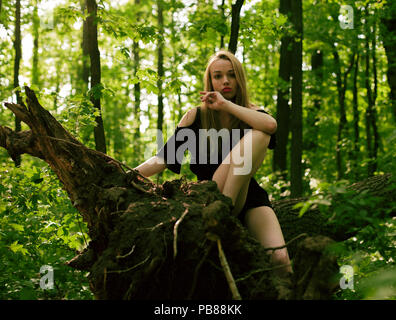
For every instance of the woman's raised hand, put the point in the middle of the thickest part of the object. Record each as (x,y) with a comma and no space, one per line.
(213,100)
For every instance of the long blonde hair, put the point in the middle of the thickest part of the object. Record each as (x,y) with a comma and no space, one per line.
(210,118)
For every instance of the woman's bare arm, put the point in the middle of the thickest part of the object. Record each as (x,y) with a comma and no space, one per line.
(151,166)
(259,121)
(156,164)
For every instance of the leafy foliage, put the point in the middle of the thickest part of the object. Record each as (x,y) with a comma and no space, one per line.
(38,227)
(372,248)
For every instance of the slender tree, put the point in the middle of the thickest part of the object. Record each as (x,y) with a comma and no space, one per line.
(94,54)
(296,170)
(372,138)
(283,94)
(317,74)
(356,129)
(85,72)
(57,85)
(36,32)
(136,92)
(388,31)
(235,14)
(160,65)
(222,8)
(176,60)
(84,69)
(17,61)
(342,80)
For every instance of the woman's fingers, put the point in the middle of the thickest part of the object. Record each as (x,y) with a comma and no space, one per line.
(208,95)
(211,99)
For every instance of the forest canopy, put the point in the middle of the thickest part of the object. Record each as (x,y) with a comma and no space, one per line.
(113,73)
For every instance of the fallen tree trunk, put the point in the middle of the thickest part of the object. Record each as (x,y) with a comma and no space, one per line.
(153,241)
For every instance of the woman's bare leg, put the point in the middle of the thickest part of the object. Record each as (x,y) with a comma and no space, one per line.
(236,184)
(264,226)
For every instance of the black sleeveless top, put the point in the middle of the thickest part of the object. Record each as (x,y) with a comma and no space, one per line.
(205,159)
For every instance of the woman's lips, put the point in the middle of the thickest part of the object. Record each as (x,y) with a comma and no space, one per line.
(226,89)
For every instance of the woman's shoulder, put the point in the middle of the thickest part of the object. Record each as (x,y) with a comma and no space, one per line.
(189,118)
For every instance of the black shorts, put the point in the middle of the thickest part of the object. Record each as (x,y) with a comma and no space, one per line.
(256,197)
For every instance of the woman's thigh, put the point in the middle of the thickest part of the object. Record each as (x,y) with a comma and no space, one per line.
(260,141)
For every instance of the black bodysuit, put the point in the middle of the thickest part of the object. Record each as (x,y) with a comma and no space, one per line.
(256,196)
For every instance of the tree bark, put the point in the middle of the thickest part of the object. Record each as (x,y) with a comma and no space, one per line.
(282,104)
(35,60)
(371,113)
(85,69)
(388,31)
(136,93)
(222,8)
(311,141)
(17,61)
(160,65)
(153,241)
(342,80)
(296,170)
(94,54)
(356,129)
(235,16)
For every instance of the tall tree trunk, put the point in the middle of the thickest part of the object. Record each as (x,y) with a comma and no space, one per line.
(235,14)
(375,93)
(160,66)
(388,31)
(94,54)
(85,72)
(176,60)
(282,104)
(312,117)
(342,124)
(296,169)
(355,117)
(35,60)
(223,17)
(136,94)
(370,116)
(57,86)
(17,61)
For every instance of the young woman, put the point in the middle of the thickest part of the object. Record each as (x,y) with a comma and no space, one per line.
(225,105)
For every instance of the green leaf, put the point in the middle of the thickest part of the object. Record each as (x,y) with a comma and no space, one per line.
(15,247)
(17,227)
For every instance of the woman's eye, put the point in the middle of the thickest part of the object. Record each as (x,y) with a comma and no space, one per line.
(232,75)
(217,76)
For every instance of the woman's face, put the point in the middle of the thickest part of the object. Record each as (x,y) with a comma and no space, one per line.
(223,78)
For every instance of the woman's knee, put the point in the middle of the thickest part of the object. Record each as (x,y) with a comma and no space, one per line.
(260,138)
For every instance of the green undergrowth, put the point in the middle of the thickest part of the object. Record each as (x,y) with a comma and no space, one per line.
(38,227)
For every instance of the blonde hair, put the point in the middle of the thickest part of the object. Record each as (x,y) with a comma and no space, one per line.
(210,118)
